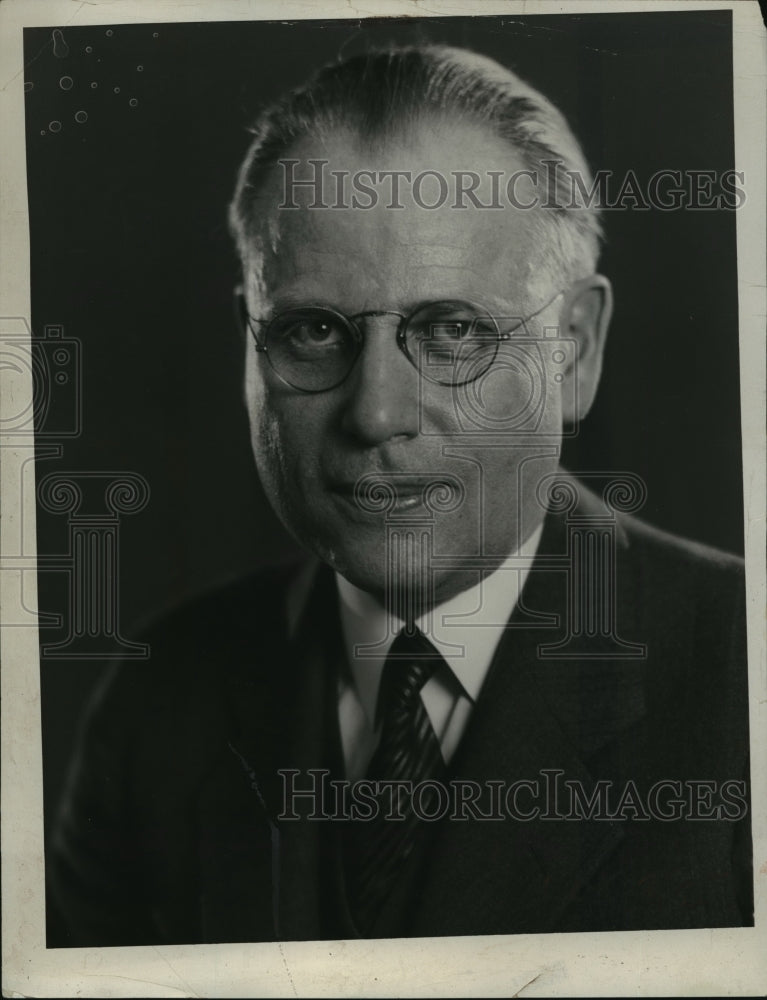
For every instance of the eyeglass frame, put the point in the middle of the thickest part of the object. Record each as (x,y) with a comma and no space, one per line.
(401,338)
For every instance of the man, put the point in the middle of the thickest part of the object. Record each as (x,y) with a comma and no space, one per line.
(493,702)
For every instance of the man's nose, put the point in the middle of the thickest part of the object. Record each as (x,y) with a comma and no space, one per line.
(383,398)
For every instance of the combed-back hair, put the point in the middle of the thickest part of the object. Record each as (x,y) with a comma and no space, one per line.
(385,92)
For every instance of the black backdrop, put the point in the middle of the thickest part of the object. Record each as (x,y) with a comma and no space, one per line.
(130,255)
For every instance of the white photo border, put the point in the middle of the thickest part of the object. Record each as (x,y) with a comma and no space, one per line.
(725,961)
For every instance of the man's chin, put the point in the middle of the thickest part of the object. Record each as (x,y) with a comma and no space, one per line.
(364,563)
(396,569)
(406,595)
(366,573)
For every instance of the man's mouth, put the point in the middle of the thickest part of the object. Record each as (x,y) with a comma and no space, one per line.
(388,493)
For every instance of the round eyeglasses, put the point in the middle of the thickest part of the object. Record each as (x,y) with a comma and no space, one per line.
(313,348)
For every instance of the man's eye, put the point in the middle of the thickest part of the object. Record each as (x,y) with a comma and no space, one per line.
(450,323)
(451,330)
(308,332)
(441,325)
(315,332)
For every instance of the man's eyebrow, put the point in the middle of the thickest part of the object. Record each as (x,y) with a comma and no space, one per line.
(281,303)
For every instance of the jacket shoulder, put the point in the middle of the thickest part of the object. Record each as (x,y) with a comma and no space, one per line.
(682,573)
(224,633)
(670,548)
(255,598)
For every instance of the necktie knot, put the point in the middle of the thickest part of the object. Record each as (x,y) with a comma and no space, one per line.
(411,662)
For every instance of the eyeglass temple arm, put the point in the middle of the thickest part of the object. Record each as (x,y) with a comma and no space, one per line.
(244,320)
(506,334)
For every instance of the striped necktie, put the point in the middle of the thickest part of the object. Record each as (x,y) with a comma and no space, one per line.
(375,850)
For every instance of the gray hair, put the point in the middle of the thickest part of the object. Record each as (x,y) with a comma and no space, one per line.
(380,92)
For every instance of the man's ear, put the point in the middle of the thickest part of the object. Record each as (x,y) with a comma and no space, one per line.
(585,318)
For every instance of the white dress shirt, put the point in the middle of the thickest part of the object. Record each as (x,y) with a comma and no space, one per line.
(466,630)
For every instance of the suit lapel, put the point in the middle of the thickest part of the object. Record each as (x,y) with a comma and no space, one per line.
(237,855)
(260,872)
(514,875)
(237,802)
(308,747)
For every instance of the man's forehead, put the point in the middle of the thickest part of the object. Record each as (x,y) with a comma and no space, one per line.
(354,210)
(438,167)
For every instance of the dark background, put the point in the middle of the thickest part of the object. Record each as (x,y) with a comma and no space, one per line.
(130,254)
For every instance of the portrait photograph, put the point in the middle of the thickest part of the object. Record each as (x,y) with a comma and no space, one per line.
(383,479)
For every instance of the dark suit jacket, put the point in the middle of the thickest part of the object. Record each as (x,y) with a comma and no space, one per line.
(168,832)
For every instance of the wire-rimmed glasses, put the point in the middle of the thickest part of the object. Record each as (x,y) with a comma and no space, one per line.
(313,348)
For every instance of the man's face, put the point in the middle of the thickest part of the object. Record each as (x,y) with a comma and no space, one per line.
(496,437)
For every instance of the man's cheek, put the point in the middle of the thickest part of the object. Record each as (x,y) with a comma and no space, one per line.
(288,457)
(270,453)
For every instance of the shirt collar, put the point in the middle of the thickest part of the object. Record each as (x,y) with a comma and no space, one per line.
(465,629)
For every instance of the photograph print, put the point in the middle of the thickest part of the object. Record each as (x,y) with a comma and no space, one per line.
(387,456)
